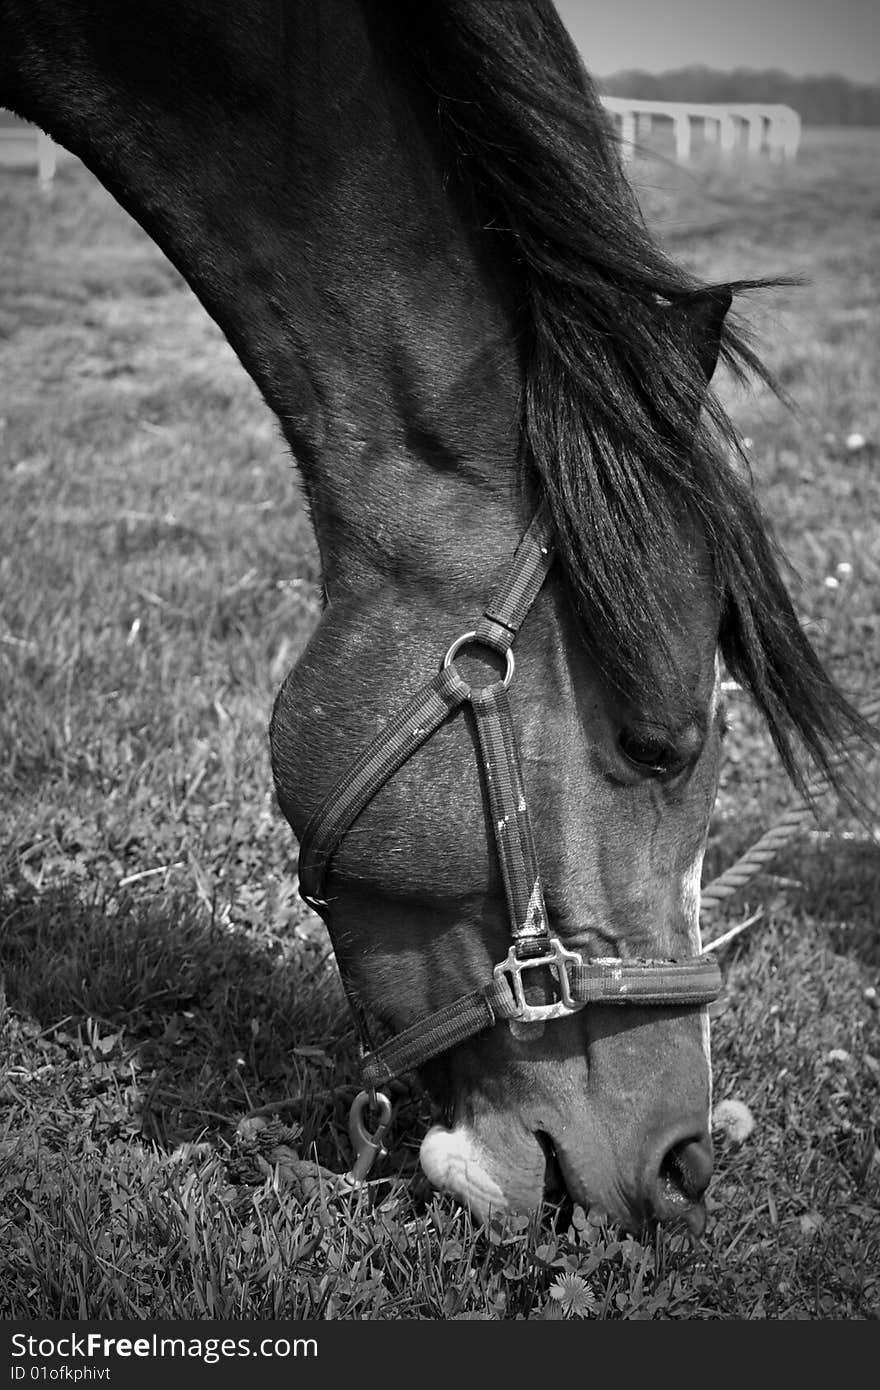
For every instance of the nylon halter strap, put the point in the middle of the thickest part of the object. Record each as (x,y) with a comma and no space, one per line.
(575,982)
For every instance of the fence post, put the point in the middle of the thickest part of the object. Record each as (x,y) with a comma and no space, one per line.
(47,159)
(756,133)
(682,123)
(728,132)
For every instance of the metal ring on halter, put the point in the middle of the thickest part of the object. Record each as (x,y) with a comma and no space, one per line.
(464,640)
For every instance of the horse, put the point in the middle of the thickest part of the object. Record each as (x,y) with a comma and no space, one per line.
(499,751)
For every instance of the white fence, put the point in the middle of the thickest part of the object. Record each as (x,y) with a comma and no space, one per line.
(750,127)
(23,144)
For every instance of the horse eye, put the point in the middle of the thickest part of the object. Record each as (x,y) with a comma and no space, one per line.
(649,752)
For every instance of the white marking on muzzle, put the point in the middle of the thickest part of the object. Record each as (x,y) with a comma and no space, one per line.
(690,894)
(453,1161)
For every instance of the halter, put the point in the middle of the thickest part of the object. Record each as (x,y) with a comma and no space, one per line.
(575,982)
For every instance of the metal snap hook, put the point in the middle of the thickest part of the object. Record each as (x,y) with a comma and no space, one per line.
(367,1145)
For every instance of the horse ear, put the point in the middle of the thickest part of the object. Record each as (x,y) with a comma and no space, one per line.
(701,317)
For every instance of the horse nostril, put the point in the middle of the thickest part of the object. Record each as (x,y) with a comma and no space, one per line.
(683,1176)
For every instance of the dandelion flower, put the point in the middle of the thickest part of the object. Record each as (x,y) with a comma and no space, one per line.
(734,1118)
(574,1294)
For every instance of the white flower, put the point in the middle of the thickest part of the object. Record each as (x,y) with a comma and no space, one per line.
(575,1295)
(734,1118)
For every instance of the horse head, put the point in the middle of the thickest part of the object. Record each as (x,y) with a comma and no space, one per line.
(565,813)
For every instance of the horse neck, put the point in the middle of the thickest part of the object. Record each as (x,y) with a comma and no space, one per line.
(290,171)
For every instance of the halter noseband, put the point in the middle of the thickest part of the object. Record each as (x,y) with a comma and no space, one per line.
(576,982)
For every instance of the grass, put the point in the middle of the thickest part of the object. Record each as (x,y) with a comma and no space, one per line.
(161,979)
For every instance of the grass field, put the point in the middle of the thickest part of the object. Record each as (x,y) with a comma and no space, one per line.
(160,978)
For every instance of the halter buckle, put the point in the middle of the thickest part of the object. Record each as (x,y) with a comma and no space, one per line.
(554,956)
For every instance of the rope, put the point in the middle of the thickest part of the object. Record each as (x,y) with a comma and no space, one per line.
(786,829)
(726,937)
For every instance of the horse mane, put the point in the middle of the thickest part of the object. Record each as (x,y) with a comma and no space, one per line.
(628,442)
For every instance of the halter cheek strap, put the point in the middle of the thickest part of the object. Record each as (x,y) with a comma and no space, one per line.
(575,982)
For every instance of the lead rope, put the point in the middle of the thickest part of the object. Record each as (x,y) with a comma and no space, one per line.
(786,829)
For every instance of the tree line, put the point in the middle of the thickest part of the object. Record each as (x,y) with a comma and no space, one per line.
(825,100)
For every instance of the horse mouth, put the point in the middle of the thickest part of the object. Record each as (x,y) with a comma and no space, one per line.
(458,1161)
(555,1189)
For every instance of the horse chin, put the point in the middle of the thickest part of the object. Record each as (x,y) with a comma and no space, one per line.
(457,1161)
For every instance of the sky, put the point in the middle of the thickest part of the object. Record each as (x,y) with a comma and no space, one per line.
(800,36)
